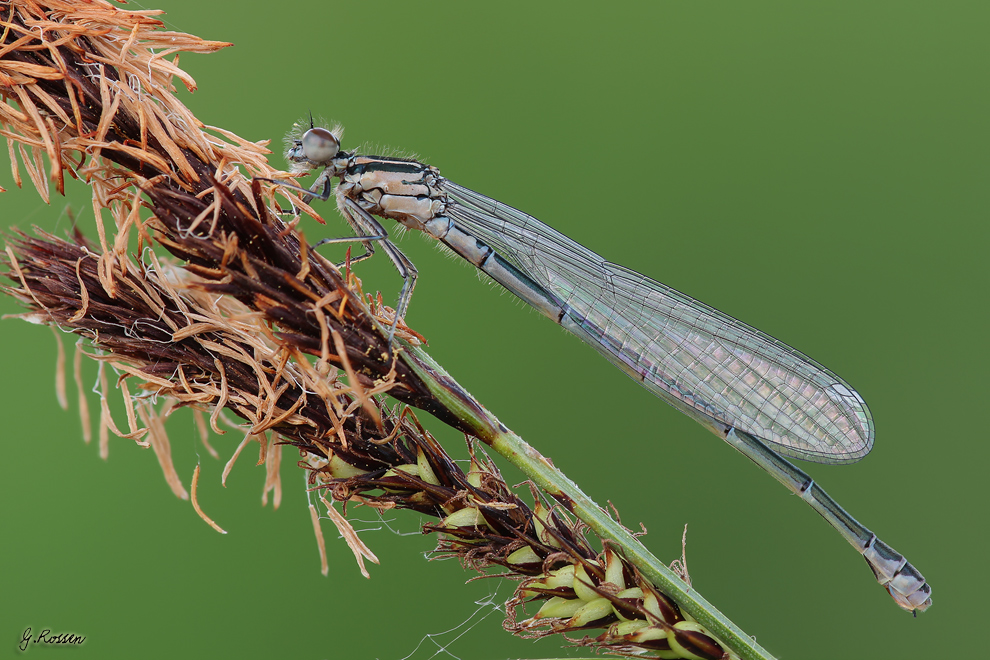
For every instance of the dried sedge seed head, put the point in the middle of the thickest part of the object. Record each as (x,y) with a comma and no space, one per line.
(208,210)
(107,116)
(488,526)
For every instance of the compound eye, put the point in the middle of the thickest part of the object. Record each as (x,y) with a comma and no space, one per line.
(319,145)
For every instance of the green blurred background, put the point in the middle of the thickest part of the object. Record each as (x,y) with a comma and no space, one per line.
(817,170)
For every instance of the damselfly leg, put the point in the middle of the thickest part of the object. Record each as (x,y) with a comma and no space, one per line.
(368,231)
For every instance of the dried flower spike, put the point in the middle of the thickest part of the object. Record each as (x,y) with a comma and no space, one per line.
(254,321)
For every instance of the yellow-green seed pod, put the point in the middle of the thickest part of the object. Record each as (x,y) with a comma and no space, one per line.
(476,473)
(562,577)
(466,517)
(409,469)
(340,469)
(651,605)
(527,593)
(649,633)
(613,569)
(425,471)
(630,627)
(523,555)
(526,590)
(635,592)
(581,584)
(559,608)
(540,517)
(593,610)
(419,497)
(690,627)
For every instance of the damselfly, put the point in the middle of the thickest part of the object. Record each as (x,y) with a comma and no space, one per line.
(763,397)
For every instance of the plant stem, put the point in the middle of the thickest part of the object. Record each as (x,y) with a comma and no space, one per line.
(556,484)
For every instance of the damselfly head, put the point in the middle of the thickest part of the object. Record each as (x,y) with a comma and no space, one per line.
(316,146)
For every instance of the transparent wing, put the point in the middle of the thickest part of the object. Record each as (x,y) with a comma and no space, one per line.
(691,355)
